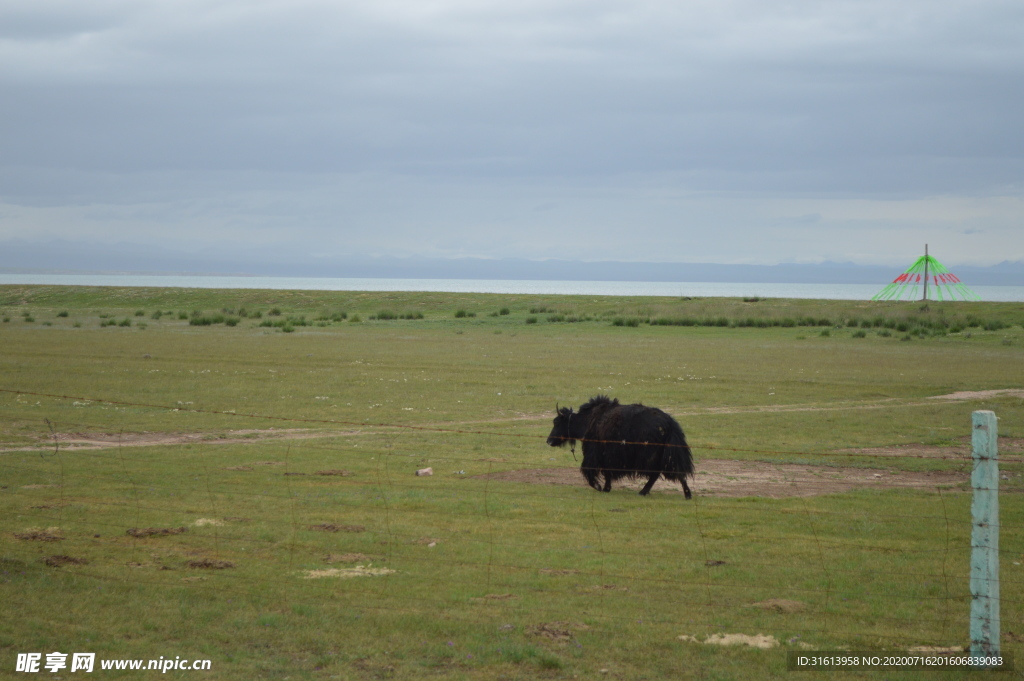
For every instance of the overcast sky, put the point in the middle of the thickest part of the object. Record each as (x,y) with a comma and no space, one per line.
(720,131)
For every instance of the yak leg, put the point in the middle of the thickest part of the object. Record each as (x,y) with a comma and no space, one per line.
(650,483)
(592,476)
(686,489)
(607,482)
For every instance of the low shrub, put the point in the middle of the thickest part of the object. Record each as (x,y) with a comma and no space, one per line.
(62,313)
(503,311)
(206,320)
(531,320)
(859,334)
(680,321)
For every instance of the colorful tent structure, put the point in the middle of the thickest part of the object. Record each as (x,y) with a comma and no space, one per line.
(930,277)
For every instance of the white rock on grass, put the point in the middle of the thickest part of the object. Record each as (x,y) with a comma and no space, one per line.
(759,641)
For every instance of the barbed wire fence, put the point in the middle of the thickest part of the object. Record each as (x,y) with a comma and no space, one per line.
(463,534)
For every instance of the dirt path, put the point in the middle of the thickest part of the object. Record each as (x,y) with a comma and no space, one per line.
(722,478)
(89,441)
(83,441)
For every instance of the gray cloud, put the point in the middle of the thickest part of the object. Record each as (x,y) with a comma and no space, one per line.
(402,126)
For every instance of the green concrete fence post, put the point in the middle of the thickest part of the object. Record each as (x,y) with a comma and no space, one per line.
(985,537)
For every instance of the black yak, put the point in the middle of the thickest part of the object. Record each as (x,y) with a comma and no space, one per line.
(624,441)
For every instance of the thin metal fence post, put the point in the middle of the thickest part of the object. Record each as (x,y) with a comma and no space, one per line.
(985,536)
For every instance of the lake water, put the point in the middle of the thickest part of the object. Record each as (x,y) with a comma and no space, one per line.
(602,288)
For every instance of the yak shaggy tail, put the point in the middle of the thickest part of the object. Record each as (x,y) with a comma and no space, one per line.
(678,457)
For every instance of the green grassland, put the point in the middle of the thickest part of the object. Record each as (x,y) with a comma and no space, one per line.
(481,579)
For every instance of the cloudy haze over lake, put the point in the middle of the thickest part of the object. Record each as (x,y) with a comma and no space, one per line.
(714,132)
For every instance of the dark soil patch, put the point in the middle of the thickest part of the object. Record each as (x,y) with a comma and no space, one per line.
(207,564)
(40,535)
(61,560)
(331,527)
(155,531)
(555,631)
(341,473)
(781,605)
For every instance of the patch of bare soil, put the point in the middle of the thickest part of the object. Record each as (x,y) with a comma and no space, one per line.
(33,534)
(331,527)
(207,564)
(339,472)
(555,631)
(143,532)
(782,605)
(723,478)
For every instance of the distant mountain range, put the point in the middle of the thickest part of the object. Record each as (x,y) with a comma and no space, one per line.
(19,256)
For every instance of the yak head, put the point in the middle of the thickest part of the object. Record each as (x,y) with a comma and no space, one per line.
(560,430)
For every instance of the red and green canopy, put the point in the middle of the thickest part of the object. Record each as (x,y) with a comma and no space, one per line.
(926,279)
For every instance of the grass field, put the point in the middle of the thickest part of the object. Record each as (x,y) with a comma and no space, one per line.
(282,430)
